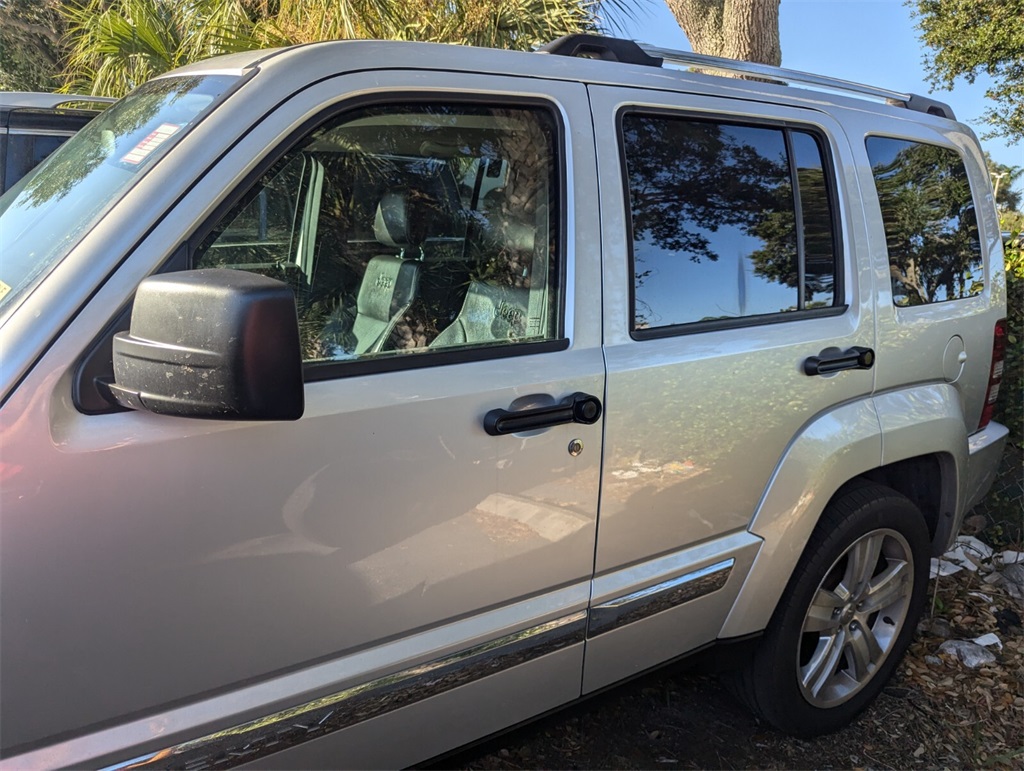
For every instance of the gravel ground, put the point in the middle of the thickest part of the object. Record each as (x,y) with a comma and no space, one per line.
(936,712)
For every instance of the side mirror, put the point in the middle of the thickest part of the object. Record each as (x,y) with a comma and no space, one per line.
(211,344)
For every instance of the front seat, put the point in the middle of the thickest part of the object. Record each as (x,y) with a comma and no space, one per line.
(390,283)
(490,313)
(497,306)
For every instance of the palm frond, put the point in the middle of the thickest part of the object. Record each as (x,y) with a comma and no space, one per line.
(116,44)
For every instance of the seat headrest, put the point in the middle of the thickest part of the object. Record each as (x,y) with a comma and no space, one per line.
(403,217)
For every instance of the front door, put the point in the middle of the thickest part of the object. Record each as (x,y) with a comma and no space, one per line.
(436,252)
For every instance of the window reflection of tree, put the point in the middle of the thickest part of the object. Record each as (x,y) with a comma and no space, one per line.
(930,225)
(688,173)
(777,259)
(691,178)
(113,134)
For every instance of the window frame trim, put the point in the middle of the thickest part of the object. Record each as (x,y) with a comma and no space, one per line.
(316,371)
(839,306)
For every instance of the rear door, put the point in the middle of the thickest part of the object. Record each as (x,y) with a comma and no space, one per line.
(730,266)
(389,549)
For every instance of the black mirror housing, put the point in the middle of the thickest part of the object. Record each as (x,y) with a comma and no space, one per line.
(211,344)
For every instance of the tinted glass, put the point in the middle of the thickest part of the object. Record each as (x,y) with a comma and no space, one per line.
(816,210)
(931,230)
(26,151)
(715,224)
(408,228)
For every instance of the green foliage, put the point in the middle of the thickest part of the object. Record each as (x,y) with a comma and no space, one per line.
(1012,221)
(1003,180)
(30,33)
(1010,407)
(974,37)
(114,45)
(517,24)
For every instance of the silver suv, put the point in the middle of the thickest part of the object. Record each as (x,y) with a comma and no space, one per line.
(361,399)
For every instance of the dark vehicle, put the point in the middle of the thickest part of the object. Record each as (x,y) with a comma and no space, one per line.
(34,125)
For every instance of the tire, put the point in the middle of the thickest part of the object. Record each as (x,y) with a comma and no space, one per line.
(847,616)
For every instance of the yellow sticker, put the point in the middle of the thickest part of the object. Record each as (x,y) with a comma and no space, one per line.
(4,289)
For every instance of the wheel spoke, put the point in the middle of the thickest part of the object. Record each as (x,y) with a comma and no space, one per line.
(863,558)
(824,662)
(856,618)
(895,583)
(821,616)
(865,652)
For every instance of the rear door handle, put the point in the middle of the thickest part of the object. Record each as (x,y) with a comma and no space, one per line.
(833,360)
(577,408)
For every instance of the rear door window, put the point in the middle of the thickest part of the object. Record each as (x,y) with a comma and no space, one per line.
(732,223)
(24,151)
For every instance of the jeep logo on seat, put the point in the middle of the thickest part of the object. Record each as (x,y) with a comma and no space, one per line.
(384,281)
(513,315)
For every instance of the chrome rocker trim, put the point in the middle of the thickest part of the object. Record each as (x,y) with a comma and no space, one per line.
(305,722)
(654,599)
(297,725)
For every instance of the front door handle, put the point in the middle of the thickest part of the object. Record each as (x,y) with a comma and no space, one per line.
(578,408)
(833,360)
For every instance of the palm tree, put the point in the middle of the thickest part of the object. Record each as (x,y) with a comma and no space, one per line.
(117,44)
(519,24)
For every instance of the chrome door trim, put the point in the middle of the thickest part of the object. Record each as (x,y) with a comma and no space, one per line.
(654,599)
(257,738)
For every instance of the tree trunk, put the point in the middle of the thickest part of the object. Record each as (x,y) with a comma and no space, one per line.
(736,29)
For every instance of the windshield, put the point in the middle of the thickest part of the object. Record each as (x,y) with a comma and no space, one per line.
(46,213)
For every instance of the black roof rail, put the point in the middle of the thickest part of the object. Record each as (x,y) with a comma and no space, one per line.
(609,49)
(930,106)
(631,52)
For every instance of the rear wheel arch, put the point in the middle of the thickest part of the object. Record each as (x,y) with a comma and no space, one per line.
(853,443)
(930,483)
(847,615)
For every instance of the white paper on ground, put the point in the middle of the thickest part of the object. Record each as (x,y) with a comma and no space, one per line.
(989,639)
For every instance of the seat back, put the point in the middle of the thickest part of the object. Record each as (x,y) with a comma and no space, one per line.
(390,282)
(387,291)
(490,313)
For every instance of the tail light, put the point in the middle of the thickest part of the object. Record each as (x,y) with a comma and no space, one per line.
(995,376)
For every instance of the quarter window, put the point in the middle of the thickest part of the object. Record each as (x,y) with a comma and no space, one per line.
(931,231)
(729,222)
(408,228)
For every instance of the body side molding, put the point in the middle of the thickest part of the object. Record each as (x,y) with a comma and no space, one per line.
(668,594)
(306,722)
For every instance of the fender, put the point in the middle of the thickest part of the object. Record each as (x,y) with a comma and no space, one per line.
(930,416)
(832,449)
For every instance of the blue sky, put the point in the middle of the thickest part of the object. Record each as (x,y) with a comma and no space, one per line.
(867,41)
